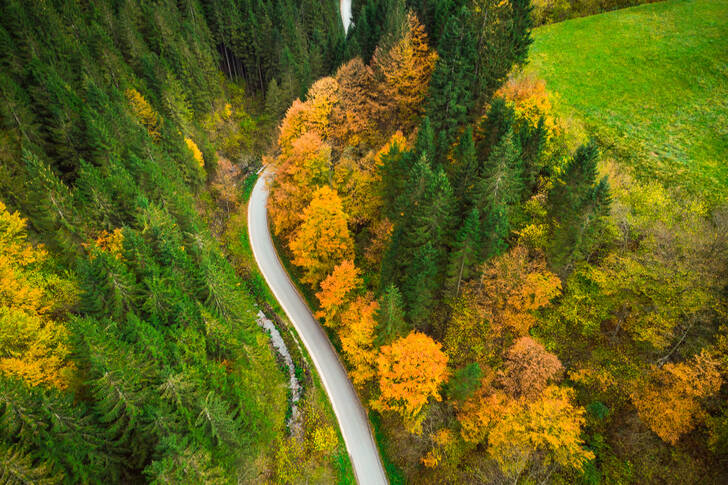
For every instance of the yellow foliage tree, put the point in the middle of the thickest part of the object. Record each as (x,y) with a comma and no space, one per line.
(410,371)
(144,111)
(552,425)
(668,401)
(196,153)
(323,240)
(531,102)
(482,410)
(357,338)
(32,344)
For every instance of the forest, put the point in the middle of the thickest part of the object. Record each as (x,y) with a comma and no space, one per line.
(512,301)
(514,305)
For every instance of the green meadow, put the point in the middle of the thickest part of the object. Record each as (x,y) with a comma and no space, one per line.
(651,82)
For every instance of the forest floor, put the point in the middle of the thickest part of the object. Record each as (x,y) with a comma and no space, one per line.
(651,80)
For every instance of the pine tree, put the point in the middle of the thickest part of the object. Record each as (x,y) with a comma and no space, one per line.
(504,36)
(17,467)
(464,171)
(465,253)
(496,123)
(501,178)
(450,98)
(578,205)
(390,317)
(420,284)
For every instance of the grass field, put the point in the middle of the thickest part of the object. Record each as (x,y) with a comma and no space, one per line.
(651,81)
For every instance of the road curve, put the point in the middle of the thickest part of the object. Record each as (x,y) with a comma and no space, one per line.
(349,411)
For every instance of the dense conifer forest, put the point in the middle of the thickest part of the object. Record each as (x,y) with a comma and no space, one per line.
(513,303)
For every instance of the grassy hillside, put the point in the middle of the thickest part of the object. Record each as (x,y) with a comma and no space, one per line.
(651,79)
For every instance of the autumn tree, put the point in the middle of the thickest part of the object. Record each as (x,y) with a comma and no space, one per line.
(144,111)
(353,118)
(410,372)
(502,301)
(358,325)
(336,289)
(300,169)
(669,399)
(323,239)
(528,369)
(403,73)
(33,343)
(551,425)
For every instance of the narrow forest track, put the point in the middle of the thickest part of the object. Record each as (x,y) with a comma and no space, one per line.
(352,418)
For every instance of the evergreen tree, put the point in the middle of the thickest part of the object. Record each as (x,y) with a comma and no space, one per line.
(450,99)
(578,205)
(421,283)
(504,36)
(465,169)
(465,253)
(390,317)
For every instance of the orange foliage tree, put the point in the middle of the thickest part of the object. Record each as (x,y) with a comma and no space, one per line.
(322,240)
(668,401)
(300,169)
(32,342)
(335,291)
(353,118)
(404,74)
(410,372)
(502,301)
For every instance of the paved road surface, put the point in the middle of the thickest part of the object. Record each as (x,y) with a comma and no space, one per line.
(345,7)
(349,412)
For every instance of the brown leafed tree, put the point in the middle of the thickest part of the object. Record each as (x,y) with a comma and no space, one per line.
(403,76)
(528,369)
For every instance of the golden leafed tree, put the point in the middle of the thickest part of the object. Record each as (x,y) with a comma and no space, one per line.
(144,111)
(551,425)
(322,240)
(336,290)
(669,399)
(410,372)
(357,338)
(301,168)
(32,342)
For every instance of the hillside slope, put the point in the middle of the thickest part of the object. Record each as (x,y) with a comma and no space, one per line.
(653,79)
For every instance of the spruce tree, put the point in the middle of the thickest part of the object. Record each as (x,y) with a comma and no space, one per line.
(390,317)
(465,253)
(450,99)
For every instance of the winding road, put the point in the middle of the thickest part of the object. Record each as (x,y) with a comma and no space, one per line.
(349,412)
